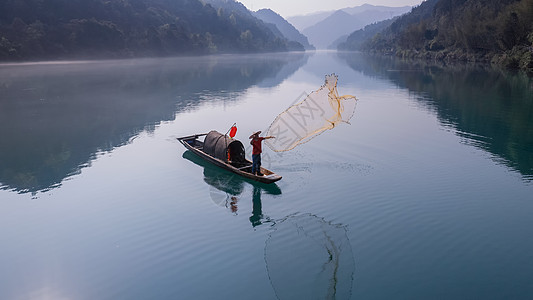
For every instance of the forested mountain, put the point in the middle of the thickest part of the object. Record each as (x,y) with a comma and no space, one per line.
(232,7)
(500,31)
(59,29)
(287,29)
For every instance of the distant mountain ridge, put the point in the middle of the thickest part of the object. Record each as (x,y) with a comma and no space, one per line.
(340,23)
(304,21)
(286,28)
(324,32)
(66,29)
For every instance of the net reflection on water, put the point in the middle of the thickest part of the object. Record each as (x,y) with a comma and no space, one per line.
(308,257)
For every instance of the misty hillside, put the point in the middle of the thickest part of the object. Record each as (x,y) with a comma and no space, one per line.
(236,8)
(287,29)
(500,31)
(60,29)
(357,39)
(343,22)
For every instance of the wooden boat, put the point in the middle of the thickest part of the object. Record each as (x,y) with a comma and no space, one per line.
(227,153)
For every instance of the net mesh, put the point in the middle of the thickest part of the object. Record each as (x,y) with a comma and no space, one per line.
(321,110)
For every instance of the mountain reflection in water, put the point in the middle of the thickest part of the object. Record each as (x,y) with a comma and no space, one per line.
(55,118)
(487,108)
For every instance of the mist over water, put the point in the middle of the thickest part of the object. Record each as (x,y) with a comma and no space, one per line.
(426,194)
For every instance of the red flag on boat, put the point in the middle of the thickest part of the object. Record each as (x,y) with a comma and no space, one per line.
(233,131)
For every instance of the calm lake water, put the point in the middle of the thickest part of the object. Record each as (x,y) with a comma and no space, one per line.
(427,194)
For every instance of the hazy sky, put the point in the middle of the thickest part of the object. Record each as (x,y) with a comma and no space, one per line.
(288,8)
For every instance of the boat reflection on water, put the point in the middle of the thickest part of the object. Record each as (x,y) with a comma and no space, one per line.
(226,187)
(306,256)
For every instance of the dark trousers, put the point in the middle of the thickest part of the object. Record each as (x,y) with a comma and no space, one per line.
(256,163)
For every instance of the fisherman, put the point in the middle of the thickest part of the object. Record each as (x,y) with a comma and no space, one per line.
(256,152)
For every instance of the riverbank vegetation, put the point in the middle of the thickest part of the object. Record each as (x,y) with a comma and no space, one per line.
(496,31)
(63,29)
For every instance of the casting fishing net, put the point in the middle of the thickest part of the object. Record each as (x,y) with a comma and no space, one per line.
(309,258)
(321,110)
